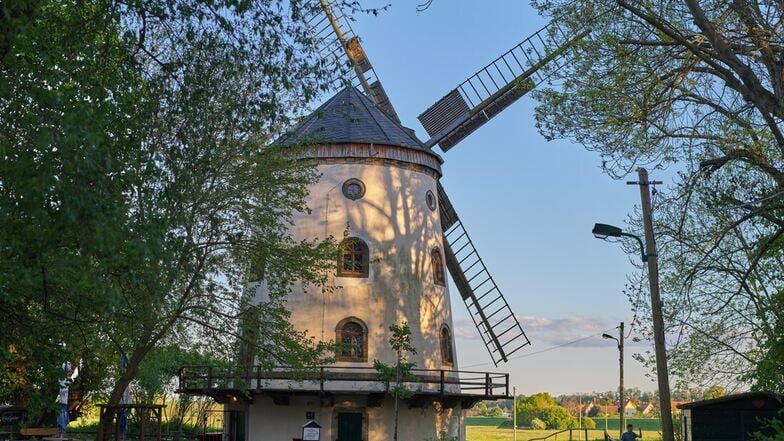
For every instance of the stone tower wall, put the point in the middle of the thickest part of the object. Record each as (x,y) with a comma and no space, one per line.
(394,220)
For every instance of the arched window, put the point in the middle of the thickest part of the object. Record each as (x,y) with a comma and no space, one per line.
(446,346)
(438,267)
(352,337)
(353,261)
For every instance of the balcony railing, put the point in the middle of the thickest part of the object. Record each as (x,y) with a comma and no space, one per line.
(208,380)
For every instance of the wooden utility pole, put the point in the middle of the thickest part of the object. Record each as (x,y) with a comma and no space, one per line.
(621,390)
(514,413)
(656,307)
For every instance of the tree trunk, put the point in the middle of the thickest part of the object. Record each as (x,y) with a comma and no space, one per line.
(106,419)
(397,390)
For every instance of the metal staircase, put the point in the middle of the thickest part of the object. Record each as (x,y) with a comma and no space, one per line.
(497,85)
(499,328)
(340,48)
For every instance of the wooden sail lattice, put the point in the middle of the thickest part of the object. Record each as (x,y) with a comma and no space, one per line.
(339,47)
(498,326)
(497,85)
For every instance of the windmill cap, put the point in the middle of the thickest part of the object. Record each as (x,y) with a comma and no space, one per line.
(351,117)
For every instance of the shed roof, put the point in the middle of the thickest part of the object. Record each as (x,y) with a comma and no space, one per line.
(351,117)
(728,398)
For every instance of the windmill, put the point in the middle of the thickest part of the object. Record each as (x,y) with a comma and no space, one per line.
(448,121)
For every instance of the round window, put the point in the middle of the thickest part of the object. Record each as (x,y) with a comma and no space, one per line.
(430,198)
(353,189)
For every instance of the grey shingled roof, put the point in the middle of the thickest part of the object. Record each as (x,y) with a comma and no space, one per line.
(350,116)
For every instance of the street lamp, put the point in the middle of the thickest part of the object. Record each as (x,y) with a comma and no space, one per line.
(603,231)
(621,392)
(648,253)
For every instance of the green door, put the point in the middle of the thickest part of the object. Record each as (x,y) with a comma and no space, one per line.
(349,426)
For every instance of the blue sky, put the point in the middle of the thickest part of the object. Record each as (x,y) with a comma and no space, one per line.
(528,204)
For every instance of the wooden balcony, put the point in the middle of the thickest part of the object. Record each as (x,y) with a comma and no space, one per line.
(426,386)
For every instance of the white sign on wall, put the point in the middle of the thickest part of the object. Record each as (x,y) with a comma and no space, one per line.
(311,431)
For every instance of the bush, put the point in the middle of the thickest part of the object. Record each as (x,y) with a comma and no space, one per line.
(556,417)
(589,423)
(538,424)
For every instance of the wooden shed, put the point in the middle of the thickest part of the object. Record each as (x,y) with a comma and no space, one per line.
(733,417)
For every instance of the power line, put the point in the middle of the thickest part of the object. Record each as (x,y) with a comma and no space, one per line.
(544,350)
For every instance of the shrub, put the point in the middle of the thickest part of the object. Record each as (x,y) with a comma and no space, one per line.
(556,417)
(538,424)
(589,423)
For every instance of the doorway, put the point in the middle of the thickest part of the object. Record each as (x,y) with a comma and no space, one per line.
(349,426)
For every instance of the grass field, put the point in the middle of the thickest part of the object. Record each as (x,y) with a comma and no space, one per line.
(500,429)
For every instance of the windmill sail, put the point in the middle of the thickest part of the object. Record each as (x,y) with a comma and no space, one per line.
(497,85)
(499,328)
(339,46)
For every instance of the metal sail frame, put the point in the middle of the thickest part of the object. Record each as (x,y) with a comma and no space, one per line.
(448,121)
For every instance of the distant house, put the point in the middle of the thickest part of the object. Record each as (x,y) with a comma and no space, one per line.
(675,405)
(588,407)
(646,407)
(629,409)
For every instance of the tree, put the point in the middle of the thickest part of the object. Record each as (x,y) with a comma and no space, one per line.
(135,189)
(543,407)
(400,372)
(714,392)
(697,85)
(774,428)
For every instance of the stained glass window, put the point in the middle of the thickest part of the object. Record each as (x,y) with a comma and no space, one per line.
(352,335)
(353,258)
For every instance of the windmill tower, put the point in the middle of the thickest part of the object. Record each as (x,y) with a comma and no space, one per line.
(380,185)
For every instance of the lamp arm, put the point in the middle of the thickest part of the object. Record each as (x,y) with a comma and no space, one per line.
(642,247)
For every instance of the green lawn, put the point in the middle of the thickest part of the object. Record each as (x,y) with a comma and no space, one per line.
(487,421)
(487,433)
(500,429)
(646,424)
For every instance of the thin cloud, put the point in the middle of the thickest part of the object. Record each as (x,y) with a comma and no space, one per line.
(547,331)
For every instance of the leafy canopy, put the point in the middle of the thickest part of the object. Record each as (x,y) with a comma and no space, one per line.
(696,87)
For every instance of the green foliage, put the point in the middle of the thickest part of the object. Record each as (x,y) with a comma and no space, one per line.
(639,90)
(161,366)
(400,372)
(494,412)
(774,428)
(543,407)
(135,188)
(588,423)
(538,424)
(714,392)
(397,374)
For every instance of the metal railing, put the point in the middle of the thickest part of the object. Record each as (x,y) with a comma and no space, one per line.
(324,379)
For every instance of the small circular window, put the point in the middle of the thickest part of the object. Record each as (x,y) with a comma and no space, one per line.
(353,189)
(430,198)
